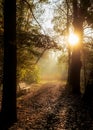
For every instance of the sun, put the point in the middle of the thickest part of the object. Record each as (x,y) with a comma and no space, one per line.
(73,39)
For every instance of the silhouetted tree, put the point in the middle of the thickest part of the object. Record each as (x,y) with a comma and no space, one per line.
(81,12)
(75,58)
(8,110)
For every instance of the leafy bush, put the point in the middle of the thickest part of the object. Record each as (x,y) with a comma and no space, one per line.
(28,74)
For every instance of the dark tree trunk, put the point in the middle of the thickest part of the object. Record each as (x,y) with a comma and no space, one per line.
(75,67)
(8,110)
(75,71)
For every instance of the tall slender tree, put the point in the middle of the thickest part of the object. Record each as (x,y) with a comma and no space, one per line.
(8,110)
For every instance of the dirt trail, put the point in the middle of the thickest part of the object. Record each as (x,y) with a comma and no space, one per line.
(52,107)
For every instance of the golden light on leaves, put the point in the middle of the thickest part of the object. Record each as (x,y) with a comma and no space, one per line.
(73,39)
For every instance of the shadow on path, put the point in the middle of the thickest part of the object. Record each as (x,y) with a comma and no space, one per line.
(53,107)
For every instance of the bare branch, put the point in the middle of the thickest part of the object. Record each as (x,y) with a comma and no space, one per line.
(60,9)
(40,55)
(33,15)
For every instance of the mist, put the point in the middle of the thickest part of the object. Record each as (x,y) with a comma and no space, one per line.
(50,68)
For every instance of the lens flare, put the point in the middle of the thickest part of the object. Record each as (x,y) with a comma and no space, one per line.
(73,39)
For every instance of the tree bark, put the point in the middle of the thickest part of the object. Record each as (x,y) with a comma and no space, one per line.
(8,111)
(76,56)
(75,71)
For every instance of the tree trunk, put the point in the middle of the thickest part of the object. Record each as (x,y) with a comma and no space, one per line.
(8,110)
(69,52)
(75,71)
(75,67)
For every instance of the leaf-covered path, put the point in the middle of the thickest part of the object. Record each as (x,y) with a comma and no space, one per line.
(51,107)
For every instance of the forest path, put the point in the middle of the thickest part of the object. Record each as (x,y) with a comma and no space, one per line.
(49,106)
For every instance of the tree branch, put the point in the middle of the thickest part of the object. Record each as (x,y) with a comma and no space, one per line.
(33,14)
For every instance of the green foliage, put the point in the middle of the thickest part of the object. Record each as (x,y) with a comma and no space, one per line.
(27,71)
(28,74)
(30,48)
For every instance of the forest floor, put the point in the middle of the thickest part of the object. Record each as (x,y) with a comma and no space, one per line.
(50,106)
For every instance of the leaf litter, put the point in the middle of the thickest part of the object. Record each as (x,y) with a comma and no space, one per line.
(52,107)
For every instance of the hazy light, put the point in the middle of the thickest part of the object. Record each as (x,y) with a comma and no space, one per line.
(73,39)
(50,68)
